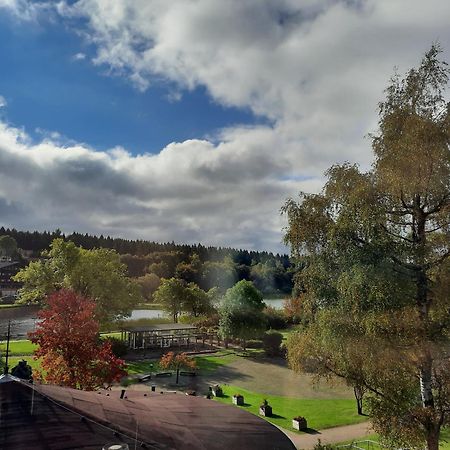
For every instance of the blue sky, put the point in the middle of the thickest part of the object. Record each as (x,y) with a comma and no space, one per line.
(192,121)
(48,89)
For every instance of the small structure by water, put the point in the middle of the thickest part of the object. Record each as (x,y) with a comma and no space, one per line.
(163,335)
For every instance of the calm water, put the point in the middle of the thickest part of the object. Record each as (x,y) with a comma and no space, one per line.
(23,319)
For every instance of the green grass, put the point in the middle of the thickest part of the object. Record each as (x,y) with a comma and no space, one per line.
(211,362)
(14,360)
(17,348)
(142,367)
(319,413)
(444,443)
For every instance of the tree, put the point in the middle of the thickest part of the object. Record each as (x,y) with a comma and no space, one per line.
(177,362)
(8,246)
(377,275)
(271,342)
(68,344)
(197,302)
(149,283)
(241,313)
(97,274)
(171,295)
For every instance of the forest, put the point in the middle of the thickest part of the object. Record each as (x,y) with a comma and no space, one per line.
(149,261)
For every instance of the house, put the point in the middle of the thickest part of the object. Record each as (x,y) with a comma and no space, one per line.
(9,268)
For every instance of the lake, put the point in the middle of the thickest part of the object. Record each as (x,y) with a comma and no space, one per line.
(23,319)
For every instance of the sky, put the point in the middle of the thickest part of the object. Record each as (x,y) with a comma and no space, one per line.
(192,120)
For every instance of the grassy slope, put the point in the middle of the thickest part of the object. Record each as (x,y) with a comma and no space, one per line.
(319,413)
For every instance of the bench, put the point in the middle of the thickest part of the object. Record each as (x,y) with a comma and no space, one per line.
(163,374)
(188,374)
(145,377)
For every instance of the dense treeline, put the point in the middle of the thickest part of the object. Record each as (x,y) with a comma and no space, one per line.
(150,261)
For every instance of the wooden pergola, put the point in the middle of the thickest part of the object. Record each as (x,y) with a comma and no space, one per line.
(163,335)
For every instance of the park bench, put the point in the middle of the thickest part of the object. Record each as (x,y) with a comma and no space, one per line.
(187,374)
(145,377)
(163,374)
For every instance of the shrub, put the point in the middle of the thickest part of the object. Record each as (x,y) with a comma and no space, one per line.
(118,347)
(271,342)
(276,318)
(254,343)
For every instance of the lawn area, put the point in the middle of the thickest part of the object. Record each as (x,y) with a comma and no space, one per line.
(320,413)
(444,443)
(205,363)
(22,347)
(14,360)
(211,362)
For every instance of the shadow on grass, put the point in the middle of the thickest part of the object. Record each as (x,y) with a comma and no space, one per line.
(277,416)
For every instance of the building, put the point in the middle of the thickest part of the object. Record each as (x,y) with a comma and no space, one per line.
(9,268)
(162,335)
(51,417)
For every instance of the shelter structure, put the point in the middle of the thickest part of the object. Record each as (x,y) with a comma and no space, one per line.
(163,335)
(52,417)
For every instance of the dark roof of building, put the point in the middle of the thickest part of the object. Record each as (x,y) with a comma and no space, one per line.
(4,264)
(161,327)
(54,417)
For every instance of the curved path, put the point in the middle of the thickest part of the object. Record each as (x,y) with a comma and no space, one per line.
(307,441)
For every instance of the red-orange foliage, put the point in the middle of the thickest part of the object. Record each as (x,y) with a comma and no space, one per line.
(293,309)
(178,361)
(171,360)
(69,347)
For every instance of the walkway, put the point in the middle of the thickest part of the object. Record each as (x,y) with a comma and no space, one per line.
(307,441)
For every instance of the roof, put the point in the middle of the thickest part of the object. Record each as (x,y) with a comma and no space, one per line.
(160,421)
(4,264)
(161,327)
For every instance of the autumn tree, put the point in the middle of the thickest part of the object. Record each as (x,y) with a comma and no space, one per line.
(148,283)
(173,361)
(241,313)
(97,274)
(377,275)
(67,335)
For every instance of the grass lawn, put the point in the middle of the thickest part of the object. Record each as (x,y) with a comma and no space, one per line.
(22,347)
(211,362)
(320,413)
(444,443)
(205,364)
(14,360)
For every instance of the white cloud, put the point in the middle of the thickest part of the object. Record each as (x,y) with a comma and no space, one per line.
(316,69)
(191,191)
(79,56)
(3,102)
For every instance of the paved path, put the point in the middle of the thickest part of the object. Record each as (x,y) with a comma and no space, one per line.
(307,441)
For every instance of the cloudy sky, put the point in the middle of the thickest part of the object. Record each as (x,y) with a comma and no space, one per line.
(192,120)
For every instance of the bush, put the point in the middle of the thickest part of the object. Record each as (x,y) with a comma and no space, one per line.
(276,319)
(271,342)
(254,343)
(118,347)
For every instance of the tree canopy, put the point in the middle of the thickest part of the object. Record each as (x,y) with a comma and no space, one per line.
(377,274)
(241,313)
(97,274)
(69,346)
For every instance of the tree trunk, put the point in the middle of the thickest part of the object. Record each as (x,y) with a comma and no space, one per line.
(433,439)
(178,374)
(359,394)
